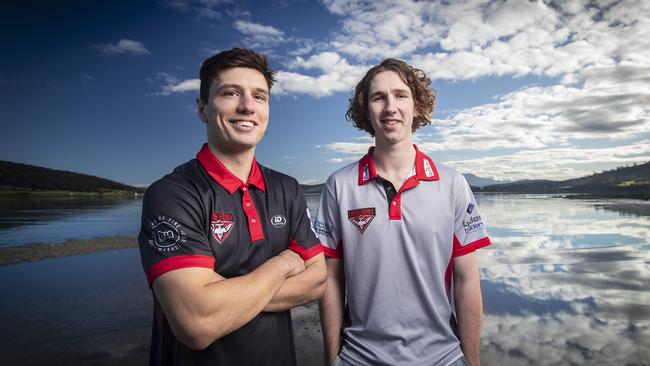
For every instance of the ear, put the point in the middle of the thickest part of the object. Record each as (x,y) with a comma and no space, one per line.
(200,110)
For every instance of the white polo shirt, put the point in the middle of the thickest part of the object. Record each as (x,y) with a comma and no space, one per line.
(398,258)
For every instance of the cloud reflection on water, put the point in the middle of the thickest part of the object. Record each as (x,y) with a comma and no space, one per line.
(565,282)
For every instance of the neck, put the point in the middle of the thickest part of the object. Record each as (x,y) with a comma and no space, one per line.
(237,162)
(394,162)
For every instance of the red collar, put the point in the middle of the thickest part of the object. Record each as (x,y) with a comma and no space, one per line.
(424,167)
(224,177)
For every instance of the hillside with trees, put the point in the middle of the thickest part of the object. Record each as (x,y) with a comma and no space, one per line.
(17,178)
(629,181)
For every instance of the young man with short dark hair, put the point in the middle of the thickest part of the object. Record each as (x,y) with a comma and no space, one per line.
(406,228)
(225,242)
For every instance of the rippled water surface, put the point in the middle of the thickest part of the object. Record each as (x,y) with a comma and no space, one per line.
(565,282)
(53,219)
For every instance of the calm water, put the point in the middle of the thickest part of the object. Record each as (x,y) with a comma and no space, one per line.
(565,282)
(53,219)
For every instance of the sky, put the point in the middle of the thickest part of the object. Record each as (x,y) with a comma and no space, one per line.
(525,89)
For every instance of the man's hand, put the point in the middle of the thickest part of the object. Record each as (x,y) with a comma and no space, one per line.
(292,261)
(306,286)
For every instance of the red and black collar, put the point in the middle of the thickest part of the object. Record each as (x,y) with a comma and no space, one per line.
(425,169)
(224,177)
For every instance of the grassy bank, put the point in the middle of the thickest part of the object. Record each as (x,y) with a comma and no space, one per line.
(39,251)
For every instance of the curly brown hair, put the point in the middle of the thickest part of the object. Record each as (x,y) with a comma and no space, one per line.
(236,57)
(424,96)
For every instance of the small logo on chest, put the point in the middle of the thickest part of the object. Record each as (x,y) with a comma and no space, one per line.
(361,217)
(221,224)
(278,221)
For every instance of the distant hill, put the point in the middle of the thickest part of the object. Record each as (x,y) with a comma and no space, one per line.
(476,181)
(24,177)
(312,188)
(472,179)
(631,180)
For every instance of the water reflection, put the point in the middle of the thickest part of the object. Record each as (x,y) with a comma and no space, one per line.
(53,219)
(565,282)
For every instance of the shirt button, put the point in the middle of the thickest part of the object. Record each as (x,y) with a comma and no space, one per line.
(394,203)
(253,220)
(248,204)
(243,189)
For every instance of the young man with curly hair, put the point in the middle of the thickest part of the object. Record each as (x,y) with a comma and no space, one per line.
(227,243)
(399,232)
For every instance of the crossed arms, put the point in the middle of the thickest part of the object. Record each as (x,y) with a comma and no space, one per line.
(201,306)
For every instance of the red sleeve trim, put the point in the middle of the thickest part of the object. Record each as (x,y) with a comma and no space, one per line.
(334,253)
(466,249)
(183,261)
(305,253)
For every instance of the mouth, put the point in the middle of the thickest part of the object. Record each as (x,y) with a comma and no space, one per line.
(390,122)
(243,122)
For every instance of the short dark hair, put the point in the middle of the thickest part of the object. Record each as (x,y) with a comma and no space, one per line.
(424,96)
(236,57)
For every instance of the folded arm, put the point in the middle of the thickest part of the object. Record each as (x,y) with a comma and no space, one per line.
(469,306)
(302,288)
(202,306)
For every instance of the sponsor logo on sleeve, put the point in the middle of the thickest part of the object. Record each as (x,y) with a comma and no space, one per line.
(278,221)
(361,217)
(470,208)
(472,224)
(221,224)
(323,228)
(167,234)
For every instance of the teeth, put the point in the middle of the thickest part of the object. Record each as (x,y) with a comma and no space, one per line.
(244,123)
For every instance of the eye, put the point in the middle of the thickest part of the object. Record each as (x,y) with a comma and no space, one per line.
(377,98)
(230,93)
(260,97)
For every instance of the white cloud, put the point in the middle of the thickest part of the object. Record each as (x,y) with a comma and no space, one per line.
(123,47)
(202,8)
(558,163)
(337,76)
(172,84)
(259,36)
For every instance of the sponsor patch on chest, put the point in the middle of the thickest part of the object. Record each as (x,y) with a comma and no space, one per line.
(221,224)
(361,217)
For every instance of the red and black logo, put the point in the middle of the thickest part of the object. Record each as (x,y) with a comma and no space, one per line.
(361,217)
(221,224)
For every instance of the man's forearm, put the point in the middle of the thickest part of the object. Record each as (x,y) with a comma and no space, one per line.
(469,308)
(301,288)
(202,306)
(331,310)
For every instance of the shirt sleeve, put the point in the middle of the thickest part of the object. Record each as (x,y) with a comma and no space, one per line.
(303,240)
(171,232)
(327,225)
(469,230)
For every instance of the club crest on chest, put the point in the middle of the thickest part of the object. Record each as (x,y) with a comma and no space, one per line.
(361,217)
(221,224)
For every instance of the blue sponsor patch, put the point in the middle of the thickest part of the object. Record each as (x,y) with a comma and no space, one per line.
(470,208)
(321,228)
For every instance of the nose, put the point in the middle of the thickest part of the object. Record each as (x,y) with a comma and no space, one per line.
(246,104)
(390,106)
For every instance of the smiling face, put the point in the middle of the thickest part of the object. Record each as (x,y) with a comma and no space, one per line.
(237,110)
(390,109)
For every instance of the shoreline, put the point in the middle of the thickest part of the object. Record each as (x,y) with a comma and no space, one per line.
(39,251)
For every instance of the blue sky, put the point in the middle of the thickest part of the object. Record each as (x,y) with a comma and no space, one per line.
(526,90)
